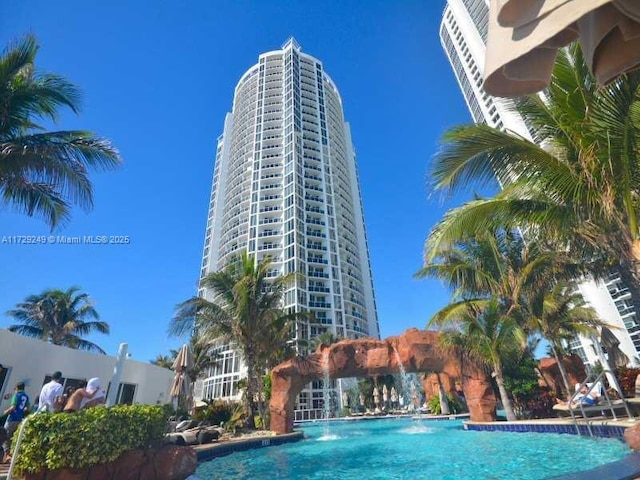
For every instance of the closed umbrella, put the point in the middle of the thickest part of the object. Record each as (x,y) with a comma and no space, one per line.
(376,395)
(361,400)
(345,399)
(181,386)
(394,395)
(525,36)
(385,394)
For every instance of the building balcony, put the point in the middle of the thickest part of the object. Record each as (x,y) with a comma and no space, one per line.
(319,305)
(269,246)
(317,260)
(269,233)
(319,289)
(317,274)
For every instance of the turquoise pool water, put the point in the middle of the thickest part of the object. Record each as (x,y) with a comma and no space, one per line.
(415,449)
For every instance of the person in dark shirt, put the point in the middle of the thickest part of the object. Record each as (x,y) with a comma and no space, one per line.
(15,413)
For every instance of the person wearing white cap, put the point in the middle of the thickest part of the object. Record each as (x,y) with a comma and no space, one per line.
(81,397)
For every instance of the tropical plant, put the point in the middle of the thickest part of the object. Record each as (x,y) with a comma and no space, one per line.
(43,173)
(60,317)
(453,405)
(627,378)
(491,336)
(165,361)
(521,379)
(247,312)
(576,184)
(204,356)
(326,338)
(559,315)
(490,277)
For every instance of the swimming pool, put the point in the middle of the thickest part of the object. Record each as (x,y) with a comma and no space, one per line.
(405,448)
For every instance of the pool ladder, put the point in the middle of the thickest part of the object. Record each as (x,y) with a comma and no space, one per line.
(609,405)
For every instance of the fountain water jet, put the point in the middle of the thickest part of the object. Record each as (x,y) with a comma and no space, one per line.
(326,395)
(405,393)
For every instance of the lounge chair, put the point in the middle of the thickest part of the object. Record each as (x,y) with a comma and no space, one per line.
(189,432)
(601,406)
(197,435)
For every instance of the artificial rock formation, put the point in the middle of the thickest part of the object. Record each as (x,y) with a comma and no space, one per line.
(167,463)
(417,351)
(632,437)
(552,378)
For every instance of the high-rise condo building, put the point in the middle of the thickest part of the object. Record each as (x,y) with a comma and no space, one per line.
(285,185)
(463,34)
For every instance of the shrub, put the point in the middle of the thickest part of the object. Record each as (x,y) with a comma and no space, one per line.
(627,380)
(89,437)
(217,412)
(539,404)
(436,409)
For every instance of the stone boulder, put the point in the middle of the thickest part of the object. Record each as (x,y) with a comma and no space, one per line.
(632,437)
(166,463)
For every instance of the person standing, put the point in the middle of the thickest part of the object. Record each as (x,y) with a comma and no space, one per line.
(15,413)
(52,394)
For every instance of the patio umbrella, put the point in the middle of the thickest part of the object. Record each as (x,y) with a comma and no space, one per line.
(525,36)
(376,395)
(385,394)
(361,400)
(617,358)
(181,387)
(394,394)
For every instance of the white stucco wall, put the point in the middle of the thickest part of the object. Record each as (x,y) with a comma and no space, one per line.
(30,360)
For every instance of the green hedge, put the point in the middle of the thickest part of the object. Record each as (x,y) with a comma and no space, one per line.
(89,437)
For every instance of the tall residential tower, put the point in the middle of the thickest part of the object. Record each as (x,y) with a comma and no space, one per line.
(463,34)
(285,184)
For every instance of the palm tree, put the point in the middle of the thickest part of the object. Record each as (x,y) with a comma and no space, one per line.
(575,185)
(561,314)
(490,277)
(164,361)
(247,312)
(60,317)
(326,338)
(204,357)
(43,173)
(491,336)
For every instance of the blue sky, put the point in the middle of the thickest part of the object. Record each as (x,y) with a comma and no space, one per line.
(158,78)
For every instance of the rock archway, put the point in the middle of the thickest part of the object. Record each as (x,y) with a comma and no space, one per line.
(418,352)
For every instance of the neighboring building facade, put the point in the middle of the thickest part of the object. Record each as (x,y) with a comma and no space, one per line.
(463,34)
(30,360)
(286,185)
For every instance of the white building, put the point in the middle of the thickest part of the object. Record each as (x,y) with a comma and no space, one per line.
(463,34)
(33,361)
(285,185)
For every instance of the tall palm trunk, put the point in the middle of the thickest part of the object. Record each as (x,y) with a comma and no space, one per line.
(504,396)
(563,370)
(251,388)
